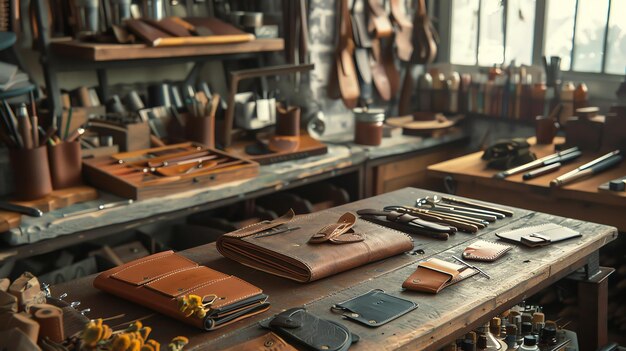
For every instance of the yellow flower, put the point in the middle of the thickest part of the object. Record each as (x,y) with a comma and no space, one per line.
(135,345)
(151,345)
(135,326)
(177,343)
(144,332)
(195,300)
(95,332)
(121,343)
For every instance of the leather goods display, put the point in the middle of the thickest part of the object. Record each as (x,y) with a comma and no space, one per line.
(506,154)
(267,342)
(281,247)
(539,235)
(482,250)
(407,223)
(375,308)
(163,281)
(433,275)
(153,172)
(301,328)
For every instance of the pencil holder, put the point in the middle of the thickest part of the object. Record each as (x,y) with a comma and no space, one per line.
(65,164)
(200,130)
(31,173)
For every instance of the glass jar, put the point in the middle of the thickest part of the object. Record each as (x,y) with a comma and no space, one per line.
(368,126)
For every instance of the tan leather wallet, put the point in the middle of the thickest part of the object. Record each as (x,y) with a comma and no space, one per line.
(482,250)
(162,281)
(292,246)
(433,275)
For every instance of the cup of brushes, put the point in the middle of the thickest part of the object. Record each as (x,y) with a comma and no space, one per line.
(28,157)
(200,119)
(64,156)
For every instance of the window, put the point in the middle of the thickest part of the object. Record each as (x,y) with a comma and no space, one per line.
(588,35)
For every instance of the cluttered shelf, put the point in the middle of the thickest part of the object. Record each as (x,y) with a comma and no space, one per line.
(112,52)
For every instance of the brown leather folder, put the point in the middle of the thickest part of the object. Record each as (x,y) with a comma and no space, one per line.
(162,280)
(282,247)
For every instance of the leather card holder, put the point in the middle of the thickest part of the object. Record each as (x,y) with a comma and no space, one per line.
(267,342)
(539,235)
(375,308)
(433,275)
(487,251)
(145,270)
(299,327)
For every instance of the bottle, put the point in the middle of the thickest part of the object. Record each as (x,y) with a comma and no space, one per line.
(567,99)
(511,337)
(530,344)
(494,327)
(581,96)
(538,322)
(527,328)
(481,344)
(548,336)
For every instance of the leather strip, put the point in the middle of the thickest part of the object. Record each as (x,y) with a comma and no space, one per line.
(346,75)
(338,233)
(262,226)
(379,24)
(404,29)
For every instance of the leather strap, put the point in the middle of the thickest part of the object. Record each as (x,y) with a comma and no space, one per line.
(424,36)
(346,75)
(379,24)
(379,74)
(262,226)
(388,61)
(338,233)
(404,29)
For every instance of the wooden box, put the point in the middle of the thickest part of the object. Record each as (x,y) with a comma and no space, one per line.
(165,170)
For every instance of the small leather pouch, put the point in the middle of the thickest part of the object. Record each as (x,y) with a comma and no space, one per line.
(375,308)
(163,281)
(482,250)
(433,275)
(539,235)
(267,342)
(298,326)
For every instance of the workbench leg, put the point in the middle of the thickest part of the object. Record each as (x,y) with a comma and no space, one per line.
(103,82)
(593,295)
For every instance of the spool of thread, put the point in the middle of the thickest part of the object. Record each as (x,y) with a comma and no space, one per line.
(511,330)
(20,321)
(538,321)
(494,326)
(481,344)
(527,317)
(50,319)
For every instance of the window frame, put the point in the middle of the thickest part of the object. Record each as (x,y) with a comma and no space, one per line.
(444,11)
(602,86)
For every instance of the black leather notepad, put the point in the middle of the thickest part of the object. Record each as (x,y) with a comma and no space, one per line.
(539,235)
(375,308)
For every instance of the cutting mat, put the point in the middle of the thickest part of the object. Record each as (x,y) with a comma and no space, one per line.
(56,200)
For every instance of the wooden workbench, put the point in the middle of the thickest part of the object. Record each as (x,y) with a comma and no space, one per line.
(438,320)
(468,176)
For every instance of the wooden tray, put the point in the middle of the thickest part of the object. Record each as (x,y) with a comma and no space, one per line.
(308,147)
(410,126)
(136,175)
(56,200)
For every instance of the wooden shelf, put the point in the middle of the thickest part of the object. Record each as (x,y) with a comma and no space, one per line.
(98,52)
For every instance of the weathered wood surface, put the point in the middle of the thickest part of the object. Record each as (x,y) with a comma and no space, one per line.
(439,318)
(117,52)
(581,199)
